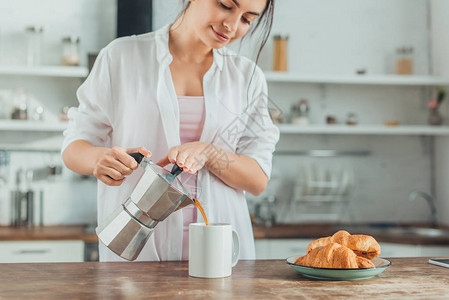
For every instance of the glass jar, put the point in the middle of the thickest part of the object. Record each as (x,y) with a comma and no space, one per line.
(404,61)
(34,37)
(351,119)
(70,51)
(280,53)
(435,117)
(300,113)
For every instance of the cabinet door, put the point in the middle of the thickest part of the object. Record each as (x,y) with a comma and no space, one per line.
(41,251)
(399,250)
(283,248)
(280,248)
(435,251)
(263,249)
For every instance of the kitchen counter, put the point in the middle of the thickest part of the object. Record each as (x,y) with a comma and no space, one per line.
(314,231)
(261,279)
(48,233)
(278,231)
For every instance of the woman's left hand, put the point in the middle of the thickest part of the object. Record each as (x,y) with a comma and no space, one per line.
(191,157)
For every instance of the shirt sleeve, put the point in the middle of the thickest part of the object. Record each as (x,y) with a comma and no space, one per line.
(91,120)
(260,136)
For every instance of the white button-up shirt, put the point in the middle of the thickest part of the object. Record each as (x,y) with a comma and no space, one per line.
(129,100)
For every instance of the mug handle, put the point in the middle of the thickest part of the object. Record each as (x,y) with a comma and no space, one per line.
(235,248)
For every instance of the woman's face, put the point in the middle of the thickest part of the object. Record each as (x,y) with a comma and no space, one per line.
(218,23)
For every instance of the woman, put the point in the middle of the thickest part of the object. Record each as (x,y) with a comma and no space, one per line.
(178,92)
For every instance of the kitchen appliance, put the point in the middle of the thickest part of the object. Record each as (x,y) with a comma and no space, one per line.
(26,209)
(157,194)
(22,202)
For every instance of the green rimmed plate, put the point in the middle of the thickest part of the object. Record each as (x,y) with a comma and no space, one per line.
(339,274)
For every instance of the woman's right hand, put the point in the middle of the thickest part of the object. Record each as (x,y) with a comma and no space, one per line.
(115,163)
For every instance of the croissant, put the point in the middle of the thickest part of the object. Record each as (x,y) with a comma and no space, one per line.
(334,255)
(362,245)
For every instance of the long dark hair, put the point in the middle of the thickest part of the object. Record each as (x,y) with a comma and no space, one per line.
(264,21)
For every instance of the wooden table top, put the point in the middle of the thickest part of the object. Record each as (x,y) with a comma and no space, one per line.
(257,279)
(278,231)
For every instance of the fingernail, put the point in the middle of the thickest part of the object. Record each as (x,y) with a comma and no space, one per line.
(190,171)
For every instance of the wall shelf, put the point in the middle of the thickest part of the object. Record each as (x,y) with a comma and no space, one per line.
(45,71)
(55,126)
(34,126)
(364,130)
(400,80)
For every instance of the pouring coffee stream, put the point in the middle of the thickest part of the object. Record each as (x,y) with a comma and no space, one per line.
(157,194)
(200,208)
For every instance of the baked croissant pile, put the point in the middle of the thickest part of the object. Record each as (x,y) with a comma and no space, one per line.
(342,251)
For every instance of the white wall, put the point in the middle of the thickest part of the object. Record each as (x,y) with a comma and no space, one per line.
(92,20)
(440,50)
(328,36)
(340,37)
(69,198)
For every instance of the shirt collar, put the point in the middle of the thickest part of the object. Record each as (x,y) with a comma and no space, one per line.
(163,52)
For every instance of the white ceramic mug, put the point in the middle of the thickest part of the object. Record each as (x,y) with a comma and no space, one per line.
(213,250)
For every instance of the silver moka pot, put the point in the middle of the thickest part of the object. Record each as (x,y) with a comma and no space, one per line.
(157,194)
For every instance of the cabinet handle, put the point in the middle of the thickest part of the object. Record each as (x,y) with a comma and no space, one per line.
(33,251)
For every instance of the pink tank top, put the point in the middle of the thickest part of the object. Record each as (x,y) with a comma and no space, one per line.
(191,116)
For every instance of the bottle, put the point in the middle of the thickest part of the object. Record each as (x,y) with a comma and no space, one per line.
(280,53)
(70,51)
(34,36)
(404,61)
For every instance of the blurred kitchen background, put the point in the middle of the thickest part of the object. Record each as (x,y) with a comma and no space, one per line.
(351,84)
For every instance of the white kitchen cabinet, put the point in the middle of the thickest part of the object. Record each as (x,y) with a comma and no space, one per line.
(403,250)
(399,250)
(434,251)
(280,248)
(283,248)
(41,251)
